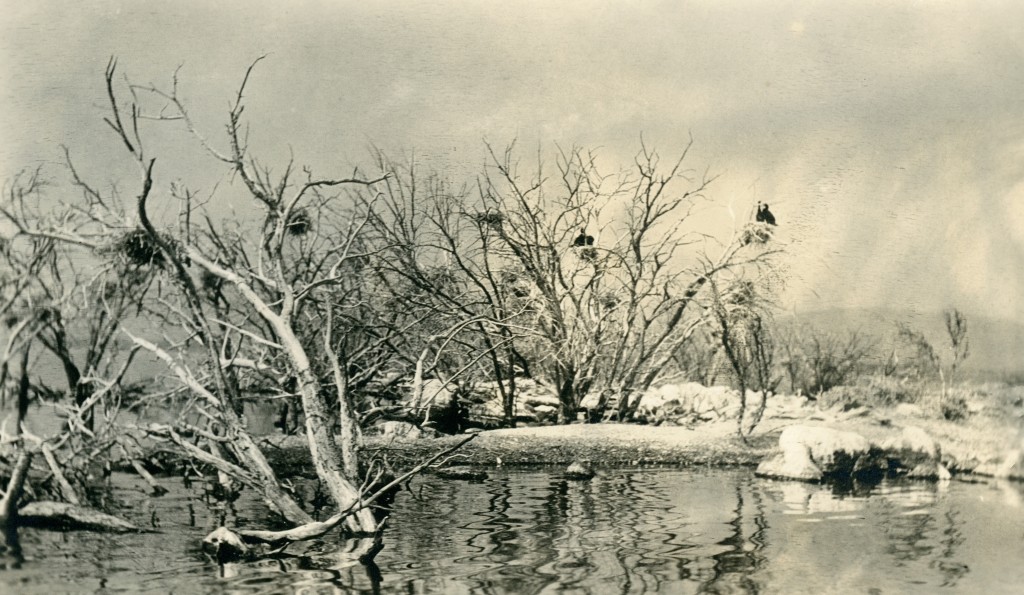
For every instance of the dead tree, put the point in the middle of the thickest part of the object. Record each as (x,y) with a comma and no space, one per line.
(239,300)
(745,340)
(609,314)
(443,265)
(959,344)
(612,320)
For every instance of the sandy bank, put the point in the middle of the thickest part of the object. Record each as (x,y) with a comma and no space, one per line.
(965,446)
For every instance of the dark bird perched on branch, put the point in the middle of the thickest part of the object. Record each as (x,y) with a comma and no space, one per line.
(586,242)
(764,215)
(583,239)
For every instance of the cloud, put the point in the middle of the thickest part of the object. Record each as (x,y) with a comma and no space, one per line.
(886,135)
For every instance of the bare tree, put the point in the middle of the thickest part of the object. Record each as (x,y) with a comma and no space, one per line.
(817,361)
(959,345)
(240,304)
(72,316)
(922,357)
(745,340)
(578,277)
(443,263)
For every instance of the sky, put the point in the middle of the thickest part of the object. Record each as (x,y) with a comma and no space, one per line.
(887,136)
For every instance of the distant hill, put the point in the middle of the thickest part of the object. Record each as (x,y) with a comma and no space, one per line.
(996,345)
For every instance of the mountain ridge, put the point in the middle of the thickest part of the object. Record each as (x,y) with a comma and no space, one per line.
(996,344)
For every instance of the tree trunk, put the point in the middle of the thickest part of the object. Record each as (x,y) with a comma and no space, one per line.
(23,391)
(567,400)
(322,447)
(508,400)
(79,390)
(15,487)
(349,424)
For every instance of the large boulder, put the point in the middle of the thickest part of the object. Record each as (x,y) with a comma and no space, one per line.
(690,401)
(435,394)
(915,454)
(811,453)
(795,464)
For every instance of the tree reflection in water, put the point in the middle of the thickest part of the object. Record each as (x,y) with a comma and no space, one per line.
(735,568)
(634,531)
(625,531)
(11,556)
(917,532)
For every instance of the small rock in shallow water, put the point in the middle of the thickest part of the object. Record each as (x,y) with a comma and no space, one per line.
(227,546)
(579,470)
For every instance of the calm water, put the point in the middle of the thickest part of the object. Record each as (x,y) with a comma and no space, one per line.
(627,531)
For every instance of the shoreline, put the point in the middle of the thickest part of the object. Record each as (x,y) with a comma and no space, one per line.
(603,445)
(980,447)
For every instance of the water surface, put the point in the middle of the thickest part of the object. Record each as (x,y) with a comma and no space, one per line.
(626,531)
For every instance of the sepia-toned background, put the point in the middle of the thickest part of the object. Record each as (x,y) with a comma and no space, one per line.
(887,136)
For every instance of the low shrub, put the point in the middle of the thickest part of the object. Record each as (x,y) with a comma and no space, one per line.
(871,391)
(954,408)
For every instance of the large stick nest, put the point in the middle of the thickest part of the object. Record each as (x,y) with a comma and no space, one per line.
(136,247)
(299,223)
(741,293)
(492,219)
(756,233)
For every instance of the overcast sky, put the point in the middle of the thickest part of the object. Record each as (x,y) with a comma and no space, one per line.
(888,136)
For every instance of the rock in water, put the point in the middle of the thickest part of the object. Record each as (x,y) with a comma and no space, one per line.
(579,470)
(930,470)
(226,546)
(809,453)
(915,454)
(794,464)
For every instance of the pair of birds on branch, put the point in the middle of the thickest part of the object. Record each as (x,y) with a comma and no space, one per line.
(585,240)
(764,215)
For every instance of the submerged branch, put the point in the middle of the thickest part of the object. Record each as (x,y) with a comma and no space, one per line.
(235,544)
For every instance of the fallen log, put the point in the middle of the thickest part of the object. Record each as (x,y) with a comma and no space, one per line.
(62,516)
(245,545)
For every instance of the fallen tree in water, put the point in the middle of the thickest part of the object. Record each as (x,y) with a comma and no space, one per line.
(259,306)
(49,514)
(228,545)
(233,308)
(64,516)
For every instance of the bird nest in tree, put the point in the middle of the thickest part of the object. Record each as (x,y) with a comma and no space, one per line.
(741,293)
(610,300)
(10,320)
(492,219)
(299,223)
(210,281)
(136,247)
(515,284)
(588,253)
(756,233)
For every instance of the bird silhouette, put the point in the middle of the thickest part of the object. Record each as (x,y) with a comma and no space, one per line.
(764,215)
(583,239)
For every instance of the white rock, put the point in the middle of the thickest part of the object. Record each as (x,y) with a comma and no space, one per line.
(808,452)
(913,439)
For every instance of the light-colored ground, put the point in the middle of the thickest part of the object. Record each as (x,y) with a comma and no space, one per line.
(983,439)
(965,445)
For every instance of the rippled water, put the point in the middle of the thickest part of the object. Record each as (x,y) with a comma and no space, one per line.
(626,531)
